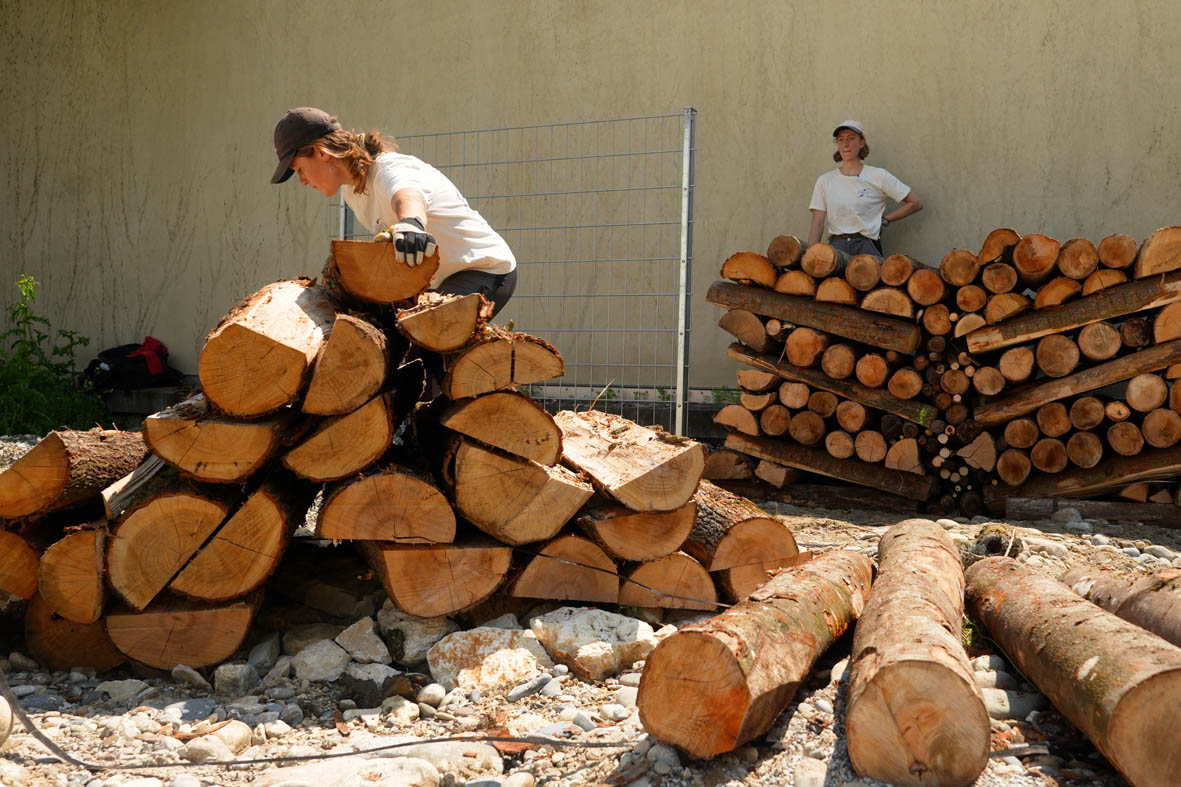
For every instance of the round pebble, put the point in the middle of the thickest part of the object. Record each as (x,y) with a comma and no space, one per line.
(560,669)
(432,694)
(823,705)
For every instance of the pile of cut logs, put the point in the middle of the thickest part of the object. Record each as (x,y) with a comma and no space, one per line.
(156,547)
(1031,369)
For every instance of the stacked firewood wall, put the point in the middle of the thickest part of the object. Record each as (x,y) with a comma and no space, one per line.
(400,407)
(1031,368)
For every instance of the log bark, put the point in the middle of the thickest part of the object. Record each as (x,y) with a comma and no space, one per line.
(344,445)
(18,565)
(870,397)
(1117,251)
(645,469)
(1113,302)
(636,535)
(509,421)
(70,576)
(748,267)
(896,269)
(206,446)
(675,581)
(998,245)
(915,715)
(500,359)
(389,503)
(172,632)
(1116,370)
(817,461)
(259,357)
(1152,602)
(67,469)
(512,499)
(747,328)
(350,368)
(1160,253)
(550,574)
(1117,683)
(730,531)
(1034,257)
(785,250)
(831,318)
(63,645)
(430,580)
(738,583)
(442,323)
(887,300)
(713,686)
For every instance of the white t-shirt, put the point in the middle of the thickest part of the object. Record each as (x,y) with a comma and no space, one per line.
(854,204)
(466,241)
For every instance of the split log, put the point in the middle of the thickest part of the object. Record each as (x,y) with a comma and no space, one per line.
(757,381)
(1160,253)
(367,270)
(1084,449)
(1125,438)
(785,250)
(119,496)
(1016,364)
(817,461)
(344,445)
(1116,370)
(863,272)
(998,277)
(442,323)
(980,453)
(1056,355)
(390,503)
(70,576)
(1099,341)
(675,581)
(836,290)
(1078,258)
(925,287)
(1137,492)
(350,368)
(245,551)
(500,359)
(821,260)
(730,531)
(723,465)
(260,355)
(509,421)
(636,535)
(164,525)
(870,446)
(1004,305)
(1152,601)
(1034,257)
(67,469)
(1111,303)
(777,476)
(1101,280)
(1146,392)
(749,267)
(747,328)
(831,318)
(998,245)
(1161,428)
(712,686)
(887,300)
(896,269)
(569,568)
(645,469)
(904,455)
(915,715)
(1086,412)
(515,500)
(735,416)
(1167,323)
(756,403)
(1012,467)
(18,565)
(959,267)
(1056,292)
(63,645)
(172,632)
(796,283)
(804,346)
(739,582)
(968,323)
(1117,251)
(431,580)
(1117,683)
(206,446)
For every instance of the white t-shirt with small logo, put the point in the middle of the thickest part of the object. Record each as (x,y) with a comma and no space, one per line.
(465,239)
(854,204)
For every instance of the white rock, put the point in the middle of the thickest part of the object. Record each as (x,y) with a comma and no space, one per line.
(122,690)
(143,781)
(1100,540)
(1003,704)
(519,779)
(13,773)
(347,772)
(995,679)
(204,749)
(526,723)
(1156,550)
(466,760)
(594,643)
(185,780)
(235,735)
(5,721)
(947,524)
(363,644)
(323,660)
(487,658)
(277,728)
(432,694)
(409,638)
(1131,551)
(401,710)
(989,662)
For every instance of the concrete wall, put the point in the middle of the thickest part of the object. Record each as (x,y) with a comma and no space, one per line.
(137,135)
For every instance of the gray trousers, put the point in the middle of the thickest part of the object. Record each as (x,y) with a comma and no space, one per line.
(857,244)
(496,287)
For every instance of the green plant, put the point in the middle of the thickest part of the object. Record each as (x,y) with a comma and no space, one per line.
(37,373)
(726,395)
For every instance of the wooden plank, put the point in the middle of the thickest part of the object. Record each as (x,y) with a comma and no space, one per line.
(1030,398)
(1032,508)
(915,411)
(1105,304)
(847,321)
(817,460)
(1110,474)
(854,498)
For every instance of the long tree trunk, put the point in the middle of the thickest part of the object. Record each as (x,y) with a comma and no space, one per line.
(713,686)
(1116,682)
(1151,601)
(915,714)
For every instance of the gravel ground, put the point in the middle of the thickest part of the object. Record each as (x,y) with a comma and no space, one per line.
(288,717)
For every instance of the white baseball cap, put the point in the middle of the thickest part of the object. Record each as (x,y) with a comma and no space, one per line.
(852,125)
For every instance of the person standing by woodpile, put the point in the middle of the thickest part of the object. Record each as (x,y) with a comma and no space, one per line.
(401,199)
(849,202)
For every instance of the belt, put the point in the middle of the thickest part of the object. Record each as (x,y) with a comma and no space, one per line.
(850,235)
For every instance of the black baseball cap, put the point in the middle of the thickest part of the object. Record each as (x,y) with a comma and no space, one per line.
(298,128)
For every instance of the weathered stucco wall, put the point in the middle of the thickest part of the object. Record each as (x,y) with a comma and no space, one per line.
(137,135)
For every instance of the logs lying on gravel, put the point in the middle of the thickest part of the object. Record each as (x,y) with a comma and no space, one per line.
(308,386)
(1151,601)
(1118,683)
(991,375)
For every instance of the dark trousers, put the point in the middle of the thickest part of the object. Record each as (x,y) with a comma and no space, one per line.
(857,244)
(496,287)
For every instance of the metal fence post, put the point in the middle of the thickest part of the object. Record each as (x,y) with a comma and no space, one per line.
(688,131)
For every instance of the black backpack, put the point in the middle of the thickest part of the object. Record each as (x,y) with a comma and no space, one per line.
(131,366)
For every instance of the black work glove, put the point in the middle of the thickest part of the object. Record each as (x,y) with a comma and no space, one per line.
(412,243)
(885,222)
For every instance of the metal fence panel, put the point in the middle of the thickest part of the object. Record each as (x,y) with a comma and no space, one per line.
(599,216)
